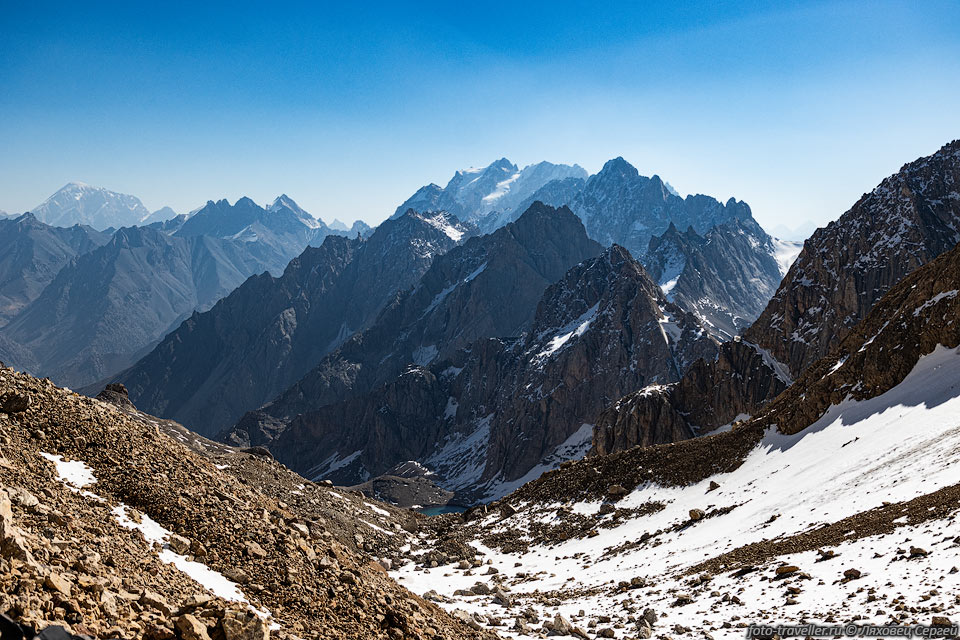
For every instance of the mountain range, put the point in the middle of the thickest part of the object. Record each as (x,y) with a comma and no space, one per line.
(270,331)
(728,289)
(843,269)
(80,305)
(479,358)
(637,443)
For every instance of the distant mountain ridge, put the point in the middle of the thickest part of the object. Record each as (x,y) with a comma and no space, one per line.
(268,333)
(488,196)
(79,203)
(31,255)
(104,308)
(730,273)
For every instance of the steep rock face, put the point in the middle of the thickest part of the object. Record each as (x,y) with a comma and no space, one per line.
(492,412)
(726,277)
(490,286)
(107,307)
(906,221)
(31,255)
(602,331)
(270,331)
(618,205)
(915,318)
(78,203)
(713,392)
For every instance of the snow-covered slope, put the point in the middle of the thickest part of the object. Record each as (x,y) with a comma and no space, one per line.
(492,193)
(786,496)
(836,504)
(78,203)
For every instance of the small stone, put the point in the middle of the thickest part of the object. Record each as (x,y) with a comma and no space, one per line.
(22,497)
(14,402)
(786,570)
(237,575)
(917,552)
(697,514)
(243,625)
(617,491)
(254,550)
(851,574)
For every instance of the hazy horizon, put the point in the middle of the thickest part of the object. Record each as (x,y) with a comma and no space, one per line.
(797,108)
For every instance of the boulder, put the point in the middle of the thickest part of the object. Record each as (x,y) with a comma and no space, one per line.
(243,625)
(190,628)
(14,402)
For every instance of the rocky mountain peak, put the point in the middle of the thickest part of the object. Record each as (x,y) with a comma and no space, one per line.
(907,220)
(618,167)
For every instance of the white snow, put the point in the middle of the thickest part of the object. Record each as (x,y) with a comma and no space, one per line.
(442,222)
(785,252)
(945,295)
(573,448)
(475,273)
(76,475)
(574,329)
(501,188)
(900,445)
(781,370)
(331,464)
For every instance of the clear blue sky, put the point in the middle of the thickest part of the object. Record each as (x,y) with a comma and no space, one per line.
(797,108)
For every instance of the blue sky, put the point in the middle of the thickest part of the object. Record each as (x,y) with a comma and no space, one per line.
(797,108)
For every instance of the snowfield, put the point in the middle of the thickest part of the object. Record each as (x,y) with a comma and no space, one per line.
(859,456)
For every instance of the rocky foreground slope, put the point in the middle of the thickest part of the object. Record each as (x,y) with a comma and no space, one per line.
(117,524)
(837,504)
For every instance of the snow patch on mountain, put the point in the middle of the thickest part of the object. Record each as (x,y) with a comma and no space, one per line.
(858,456)
(785,252)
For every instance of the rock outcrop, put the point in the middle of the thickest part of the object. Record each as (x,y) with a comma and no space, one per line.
(910,218)
(492,412)
(907,220)
(711,393)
